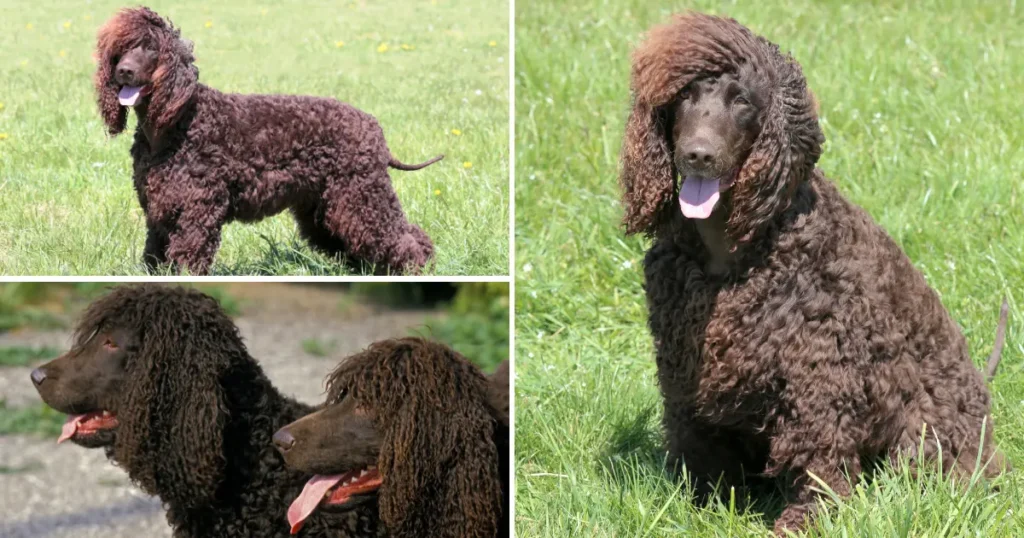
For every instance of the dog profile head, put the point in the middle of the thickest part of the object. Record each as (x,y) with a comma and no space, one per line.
(141,61)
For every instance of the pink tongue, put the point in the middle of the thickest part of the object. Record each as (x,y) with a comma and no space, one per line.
(698,196)
(129,95)
(310,498)
(70,427)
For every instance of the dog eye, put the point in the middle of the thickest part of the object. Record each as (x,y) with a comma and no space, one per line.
(742,101)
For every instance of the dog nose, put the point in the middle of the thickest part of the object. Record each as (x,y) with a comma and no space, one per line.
(283,440)
(699,153)
(38,376)
(125,74)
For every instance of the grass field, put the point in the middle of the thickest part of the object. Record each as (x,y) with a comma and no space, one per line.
(433,72)
(920,103)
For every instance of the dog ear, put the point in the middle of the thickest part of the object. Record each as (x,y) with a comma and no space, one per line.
(174,81)
(438,457)
(114,115)
(647,175)
(782,157)
(170,437)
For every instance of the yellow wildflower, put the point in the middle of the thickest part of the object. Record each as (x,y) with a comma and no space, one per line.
(29,26)
(492,44)
(437,192)
(383,47)
(1,106)
(87,17)
(456,132)
(63,53)
(3,136)
(407,47)
(467,165)
(264,11)
(339,44)
(209,24)
(67,24)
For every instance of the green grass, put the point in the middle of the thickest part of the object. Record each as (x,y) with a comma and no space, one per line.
(24,355)
(67,205)
(38,419)
(920,105)
(318,348)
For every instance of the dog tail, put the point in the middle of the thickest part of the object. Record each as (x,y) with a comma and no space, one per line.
(997,348)
(399,165)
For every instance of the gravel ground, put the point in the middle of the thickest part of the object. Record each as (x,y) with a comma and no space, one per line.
(67,491)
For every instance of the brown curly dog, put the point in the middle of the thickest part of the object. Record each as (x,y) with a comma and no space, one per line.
(414,426)
(793,336)
(203,158)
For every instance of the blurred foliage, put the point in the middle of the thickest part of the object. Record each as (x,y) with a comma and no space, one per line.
(39,419)
(406,294)
(478,324)
(25,355)
(319,348)
(42,305)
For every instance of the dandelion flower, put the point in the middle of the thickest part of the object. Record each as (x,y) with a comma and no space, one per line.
(467,165)
(437,192)
(1,106)
(209,24)
(63,53)
(383,47)
(3,136)
(264,11)
(29,26)
(407,47)
(492,44)
(24,63)
(67,24)
(455,132)
(339,44)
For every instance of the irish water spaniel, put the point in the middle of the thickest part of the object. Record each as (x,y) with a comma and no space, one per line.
(415,426)
(793,336)
(203,158)
(160,379)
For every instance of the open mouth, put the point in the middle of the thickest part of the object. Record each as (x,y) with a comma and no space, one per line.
(82,426)
(130,95)
(698,195)
(334,490)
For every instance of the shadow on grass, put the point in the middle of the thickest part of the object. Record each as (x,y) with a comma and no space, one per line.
(295,256)
(635,450)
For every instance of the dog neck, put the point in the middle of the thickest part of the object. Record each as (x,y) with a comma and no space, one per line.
(142,114)
(716,242)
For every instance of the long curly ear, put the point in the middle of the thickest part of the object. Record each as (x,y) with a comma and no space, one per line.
(647,176)
(114,115)
(170,437)
(174,81)
(782,157)
(438,458)
(440,462)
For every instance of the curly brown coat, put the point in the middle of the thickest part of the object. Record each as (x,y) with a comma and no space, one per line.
(444,448)
(194,414)
(821,344)
(203,158)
